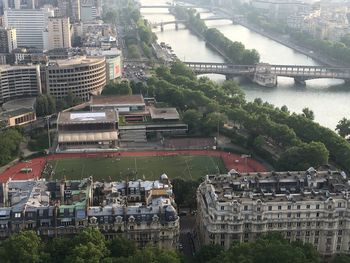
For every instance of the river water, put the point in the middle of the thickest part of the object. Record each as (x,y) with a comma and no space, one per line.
(329,99)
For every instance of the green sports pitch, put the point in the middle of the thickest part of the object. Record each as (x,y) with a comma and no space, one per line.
(187,167)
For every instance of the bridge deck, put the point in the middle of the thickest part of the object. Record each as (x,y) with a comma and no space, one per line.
(305,72)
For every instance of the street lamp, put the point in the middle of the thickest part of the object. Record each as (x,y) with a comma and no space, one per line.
(245,156)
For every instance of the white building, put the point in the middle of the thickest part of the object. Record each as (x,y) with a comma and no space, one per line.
(59,34)
(308,206)
(30,25)
(8,40)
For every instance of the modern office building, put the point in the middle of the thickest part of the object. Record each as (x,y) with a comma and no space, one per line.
(8,40)
(70,8)
(142,211)
(80,75)
(29,24)
(308,206)
(59,34)
(113,61)
(85,130)
(19,81)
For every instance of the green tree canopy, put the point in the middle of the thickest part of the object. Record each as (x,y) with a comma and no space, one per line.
(343,127)
(121,88)
(304,156)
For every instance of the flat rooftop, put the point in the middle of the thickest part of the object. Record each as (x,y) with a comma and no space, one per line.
(19,103)
(14,113)
(78,60)
(164,113)
(117,100)
(87,117)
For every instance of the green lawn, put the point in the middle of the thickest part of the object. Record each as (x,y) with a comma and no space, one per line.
(118,168)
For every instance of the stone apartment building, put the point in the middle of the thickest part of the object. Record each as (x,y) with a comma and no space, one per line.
(143,211)
(310,206)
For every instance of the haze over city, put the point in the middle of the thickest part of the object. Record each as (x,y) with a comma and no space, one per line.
(174,131)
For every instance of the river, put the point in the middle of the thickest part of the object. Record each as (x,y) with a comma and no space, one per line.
(328,98)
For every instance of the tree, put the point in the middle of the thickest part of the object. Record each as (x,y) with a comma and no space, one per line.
(25,247)
(214,121)
(208,252)
(88,246)
(121,247)
(269,249)
(341,259)
(122,88)
(193,119)
(9,145)
(304,156)
(307,113)
(343,127)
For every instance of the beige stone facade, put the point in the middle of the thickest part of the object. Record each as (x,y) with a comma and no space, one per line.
(312,207)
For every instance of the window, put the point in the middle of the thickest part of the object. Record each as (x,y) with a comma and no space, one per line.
(316,240)
(339,204)
(298,214)
(222,243)
(289,207)
(222,236)
(317,214)
(270,207)
(222,226)
(317,233)
(317,206)
(307,233)
(339,240)
(222,208)
(308,207)
(298,206)
(288,233)
(279,207)
(289,215)
(258,218)
(245,208)
(270,225)
(17,215)
(340,232)
(258,209)
(279,225)
(298,224)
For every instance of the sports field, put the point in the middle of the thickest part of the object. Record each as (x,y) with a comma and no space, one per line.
(140,167)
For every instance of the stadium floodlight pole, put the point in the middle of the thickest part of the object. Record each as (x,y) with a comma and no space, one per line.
(48,130)
(245,156)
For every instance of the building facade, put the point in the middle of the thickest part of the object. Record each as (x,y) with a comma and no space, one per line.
(29,24)
(310,206)
(81,130)
(81,76)
(8,40)
(19,81)
(59,34)
(142,211)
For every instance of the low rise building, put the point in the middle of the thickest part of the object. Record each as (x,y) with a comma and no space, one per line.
(80,130)
(137,119)
(308,206)
(17,117)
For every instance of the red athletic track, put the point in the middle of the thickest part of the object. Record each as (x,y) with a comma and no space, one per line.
(231,160)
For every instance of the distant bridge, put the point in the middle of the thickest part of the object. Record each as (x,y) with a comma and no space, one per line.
(176,22)
(299,73)
(166,6)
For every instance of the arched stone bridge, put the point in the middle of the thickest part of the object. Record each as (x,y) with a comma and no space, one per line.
(298,72)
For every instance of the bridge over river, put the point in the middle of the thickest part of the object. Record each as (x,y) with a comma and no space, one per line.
(266,74)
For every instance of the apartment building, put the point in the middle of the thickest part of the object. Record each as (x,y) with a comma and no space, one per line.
(59,34)
(309,206)
(8,40)
(19,82)
(80,75)
(142,211)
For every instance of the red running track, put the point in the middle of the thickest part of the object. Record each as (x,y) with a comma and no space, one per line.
(231,161)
